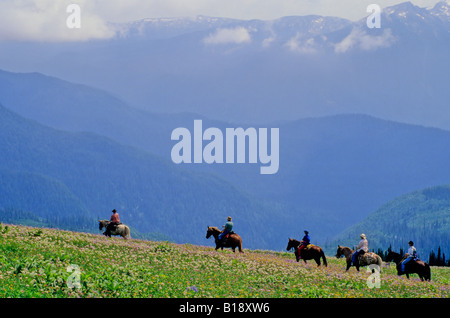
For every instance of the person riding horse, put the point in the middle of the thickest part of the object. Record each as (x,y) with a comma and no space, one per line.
(227,229)
(305,241)
(363,247)
(115,220)
(410,255)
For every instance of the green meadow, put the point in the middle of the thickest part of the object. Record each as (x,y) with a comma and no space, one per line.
(51,263)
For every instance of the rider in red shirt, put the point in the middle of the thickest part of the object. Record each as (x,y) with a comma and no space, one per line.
(115,220)
(115,217)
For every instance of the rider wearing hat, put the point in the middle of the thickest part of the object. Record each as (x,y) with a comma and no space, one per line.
(227,228)
(363,247)
(410,255)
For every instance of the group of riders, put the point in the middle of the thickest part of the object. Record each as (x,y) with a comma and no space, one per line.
(363,245)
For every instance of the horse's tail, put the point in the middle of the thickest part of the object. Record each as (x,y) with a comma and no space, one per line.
(322,254)
(126,232)
(379,262)
(427,272)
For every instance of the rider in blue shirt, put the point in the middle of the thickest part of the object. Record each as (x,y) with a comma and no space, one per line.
(305,241)
(227,228)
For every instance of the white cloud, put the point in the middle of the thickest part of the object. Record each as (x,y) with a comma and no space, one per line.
(268,41)
(228,36)
(359,39)
(299,45)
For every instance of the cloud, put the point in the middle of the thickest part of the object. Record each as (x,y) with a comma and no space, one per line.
(228,36)
(359,39)
(305,46)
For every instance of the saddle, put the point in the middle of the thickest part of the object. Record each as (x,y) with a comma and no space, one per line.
(306,248)
(227,235)
(225,238)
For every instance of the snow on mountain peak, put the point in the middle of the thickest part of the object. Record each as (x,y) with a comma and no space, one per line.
(441,9)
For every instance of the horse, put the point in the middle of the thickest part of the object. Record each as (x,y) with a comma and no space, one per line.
(121,229)
(363,260)
(313,252)
(412,267)
(232,241)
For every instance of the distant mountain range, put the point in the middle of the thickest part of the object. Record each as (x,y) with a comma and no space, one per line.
(259,71)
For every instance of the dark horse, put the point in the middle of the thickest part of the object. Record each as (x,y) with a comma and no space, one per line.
(232,241)
(412,267)
(363,260)
(313,252)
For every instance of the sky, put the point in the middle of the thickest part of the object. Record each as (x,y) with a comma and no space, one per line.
(46,20)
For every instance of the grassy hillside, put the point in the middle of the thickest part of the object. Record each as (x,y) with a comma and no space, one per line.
(35,262)
(422,216)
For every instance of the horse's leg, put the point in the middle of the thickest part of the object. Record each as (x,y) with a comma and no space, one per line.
(348,265)
(317,261)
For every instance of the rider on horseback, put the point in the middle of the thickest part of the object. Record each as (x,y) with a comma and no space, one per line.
(227,228)
(410,255)
(115,220)
(363,247)
(305,241)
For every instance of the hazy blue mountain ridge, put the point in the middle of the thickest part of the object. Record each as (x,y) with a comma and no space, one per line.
(54,173)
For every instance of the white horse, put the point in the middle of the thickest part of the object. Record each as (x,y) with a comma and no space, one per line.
(121,229)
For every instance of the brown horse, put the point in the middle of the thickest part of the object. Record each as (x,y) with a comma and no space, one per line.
(313,252)
(412,267)
(363,260)
(121,229)
(232,241)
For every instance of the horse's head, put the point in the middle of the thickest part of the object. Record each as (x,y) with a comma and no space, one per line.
(339,251)
(389,256)
(290,244)
(392,256)
(102,224)
(212,230)
(209,232)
